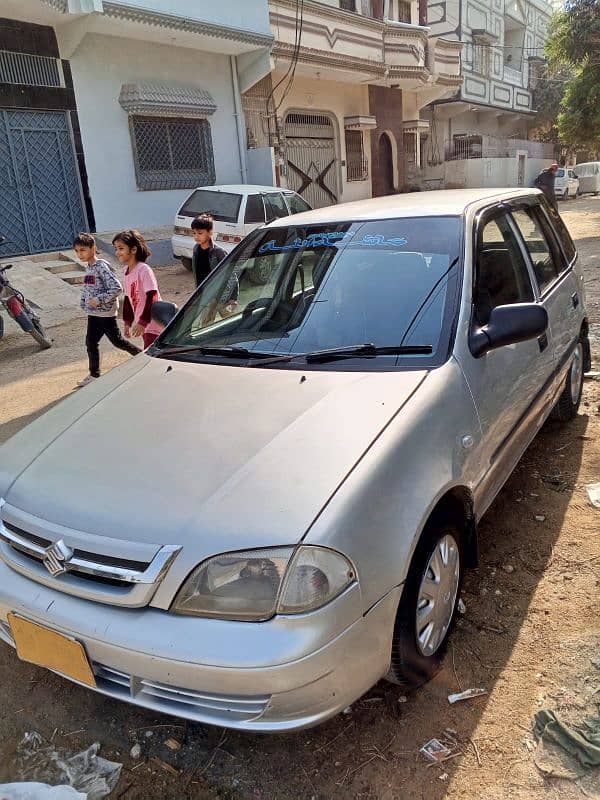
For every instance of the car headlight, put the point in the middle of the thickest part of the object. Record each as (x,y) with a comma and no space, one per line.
(257,584)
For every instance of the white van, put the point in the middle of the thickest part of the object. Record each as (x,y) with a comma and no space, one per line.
(589,177)
(566,183)
(237,211)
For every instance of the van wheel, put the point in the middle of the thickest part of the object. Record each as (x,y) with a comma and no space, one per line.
(568,403)
(187,263)
(428,605)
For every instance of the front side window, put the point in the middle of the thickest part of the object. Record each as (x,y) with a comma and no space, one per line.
(275,206)
(541,246)
(296,203)
(390,283)
(172,153)
(501,272)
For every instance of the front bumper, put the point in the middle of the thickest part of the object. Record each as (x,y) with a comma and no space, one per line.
(298,686)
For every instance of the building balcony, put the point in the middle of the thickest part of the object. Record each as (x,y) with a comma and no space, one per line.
(346,46)
(513,76)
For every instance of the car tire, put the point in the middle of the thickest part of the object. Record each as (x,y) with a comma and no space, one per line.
(568,403)
(187,263)
(435,576)
(566,195)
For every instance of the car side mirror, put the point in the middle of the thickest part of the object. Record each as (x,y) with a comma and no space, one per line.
(163,312)
(509,324)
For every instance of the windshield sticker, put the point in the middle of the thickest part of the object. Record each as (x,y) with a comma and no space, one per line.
(332,239)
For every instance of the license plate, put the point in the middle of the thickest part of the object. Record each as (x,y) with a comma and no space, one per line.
(50,649)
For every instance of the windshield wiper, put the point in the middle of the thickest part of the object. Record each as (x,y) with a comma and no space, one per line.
(366,350)
(228,351)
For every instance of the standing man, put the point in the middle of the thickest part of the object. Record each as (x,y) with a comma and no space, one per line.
(545,181)
(206,254)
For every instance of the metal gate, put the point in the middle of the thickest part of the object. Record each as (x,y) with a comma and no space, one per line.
(311,157)
(41,202)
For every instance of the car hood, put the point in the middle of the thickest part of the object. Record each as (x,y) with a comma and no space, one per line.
(218,457)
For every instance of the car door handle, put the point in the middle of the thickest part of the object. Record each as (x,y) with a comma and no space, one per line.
(543,342)
(575,299)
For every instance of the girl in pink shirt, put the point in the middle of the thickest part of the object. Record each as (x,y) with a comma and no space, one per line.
(140,285)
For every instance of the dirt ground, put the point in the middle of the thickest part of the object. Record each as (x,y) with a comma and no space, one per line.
(530,636)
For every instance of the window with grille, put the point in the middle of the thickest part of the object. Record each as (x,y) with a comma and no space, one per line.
(356,164)
(348,5)
(403,11)
(481,58)
(172,153)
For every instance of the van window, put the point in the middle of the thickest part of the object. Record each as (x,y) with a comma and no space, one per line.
(560,173)
(224,206)
(255,210)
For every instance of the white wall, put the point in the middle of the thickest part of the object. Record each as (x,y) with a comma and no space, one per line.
(253,15)
(341,100)
(100,66)
(490,172)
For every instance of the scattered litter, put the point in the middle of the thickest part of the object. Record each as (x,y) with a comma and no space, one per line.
(86,771)
(38,791)
(533,494)
(403,698)
(443,776)
(540,518)
(136,751)
(466,695)
(149,734)
(498,593)
(593,491)
(173,744)
(508,568)
(163,765)
(462,609)
(435,751)
(566,751)
(373,701)
(347,710)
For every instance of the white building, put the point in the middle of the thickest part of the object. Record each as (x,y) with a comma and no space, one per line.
(111,111)
(479,137)
(343,102)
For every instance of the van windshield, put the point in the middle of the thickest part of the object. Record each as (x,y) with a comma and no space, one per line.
(224,206)
(296,290)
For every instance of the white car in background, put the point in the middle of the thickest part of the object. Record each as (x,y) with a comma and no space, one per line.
(566,184)
(237,211)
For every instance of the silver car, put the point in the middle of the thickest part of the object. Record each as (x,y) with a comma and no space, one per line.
(274,506)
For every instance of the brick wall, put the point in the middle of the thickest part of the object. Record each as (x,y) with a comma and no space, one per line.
(386,106)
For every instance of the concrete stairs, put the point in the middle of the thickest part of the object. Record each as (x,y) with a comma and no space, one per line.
(65,266)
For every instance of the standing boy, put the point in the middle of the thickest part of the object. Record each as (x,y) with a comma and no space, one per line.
(99,301)
(206,254)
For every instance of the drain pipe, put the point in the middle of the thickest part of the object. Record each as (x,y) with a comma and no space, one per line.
(241,139)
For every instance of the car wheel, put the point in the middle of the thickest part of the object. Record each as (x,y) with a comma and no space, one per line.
(566,195)
(568,403)
(428,606)
(187,263)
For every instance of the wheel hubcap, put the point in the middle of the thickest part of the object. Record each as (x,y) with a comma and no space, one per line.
(576,374)
(437,595)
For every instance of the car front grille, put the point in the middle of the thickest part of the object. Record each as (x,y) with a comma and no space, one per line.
(188,703)
(78,571)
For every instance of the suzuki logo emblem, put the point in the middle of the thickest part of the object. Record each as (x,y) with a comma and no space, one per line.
(57,557)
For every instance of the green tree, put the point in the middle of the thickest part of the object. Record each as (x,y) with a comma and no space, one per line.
(574,44)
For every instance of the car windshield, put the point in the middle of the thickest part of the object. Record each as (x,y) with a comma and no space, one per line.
(224,206)
(298,290)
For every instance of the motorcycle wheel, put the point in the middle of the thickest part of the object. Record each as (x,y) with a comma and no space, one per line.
(39,334)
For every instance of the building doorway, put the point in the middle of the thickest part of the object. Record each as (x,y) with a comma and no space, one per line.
(311,157)
(386,165)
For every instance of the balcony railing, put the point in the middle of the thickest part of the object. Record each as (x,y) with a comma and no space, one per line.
(513,76)
(463,147)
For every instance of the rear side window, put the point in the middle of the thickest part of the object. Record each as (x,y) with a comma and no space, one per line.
(560,173)
(502,277)
(224,206)
(543,249)
(297,204)
(275,206)
(255,211)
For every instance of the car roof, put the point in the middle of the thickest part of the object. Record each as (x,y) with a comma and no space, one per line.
(241,188)
(442,202)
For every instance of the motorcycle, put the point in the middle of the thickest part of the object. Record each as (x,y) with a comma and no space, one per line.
(19,309)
